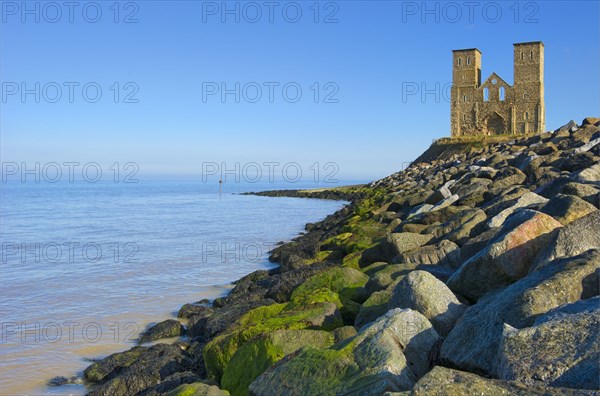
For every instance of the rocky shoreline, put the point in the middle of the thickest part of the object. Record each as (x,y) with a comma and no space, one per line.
(473,271)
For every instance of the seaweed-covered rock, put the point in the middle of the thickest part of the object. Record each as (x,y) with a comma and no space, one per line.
(347,282)
(206,327)
(254,357)
(389,355)
(265,320)
(197,389)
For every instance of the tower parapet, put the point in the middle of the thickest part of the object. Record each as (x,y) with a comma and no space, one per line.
(494,107)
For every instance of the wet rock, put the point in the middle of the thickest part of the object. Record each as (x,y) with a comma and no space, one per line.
(110,365)
(59,381)
(473,343)
(188,310)
(421,291)
(508,256)
(151,367)
(389,355)
(166,329)
(207,327)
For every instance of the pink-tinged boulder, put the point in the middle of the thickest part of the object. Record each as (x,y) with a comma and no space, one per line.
(507,258)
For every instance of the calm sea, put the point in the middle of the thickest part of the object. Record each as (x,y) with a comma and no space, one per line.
(86,267)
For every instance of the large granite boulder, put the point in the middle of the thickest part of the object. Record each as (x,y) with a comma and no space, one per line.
(567,208)
(424,293)
(376,305)
(446,253)
(442,381)
(387,276)
(525,200)
(588,175)
(507,257)
(473,343)
(393,245)
(460,227)
(577,237)
(389,355)
(537,354)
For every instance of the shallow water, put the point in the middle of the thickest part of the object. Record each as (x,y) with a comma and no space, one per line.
(103,261)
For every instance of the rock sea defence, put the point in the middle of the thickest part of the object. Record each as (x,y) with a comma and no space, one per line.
(474,271)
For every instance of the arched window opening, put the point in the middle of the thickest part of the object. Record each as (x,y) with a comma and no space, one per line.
(464,117)
(526,115)
(501,93)
(486,94)
(522,55)
(530,54)
(468,60)
(459,61)
(464,98)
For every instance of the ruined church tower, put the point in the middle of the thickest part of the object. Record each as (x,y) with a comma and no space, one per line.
(494,107)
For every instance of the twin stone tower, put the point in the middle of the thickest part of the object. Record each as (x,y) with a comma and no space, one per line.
(495,107)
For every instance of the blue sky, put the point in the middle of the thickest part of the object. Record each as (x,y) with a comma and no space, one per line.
(174,51)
